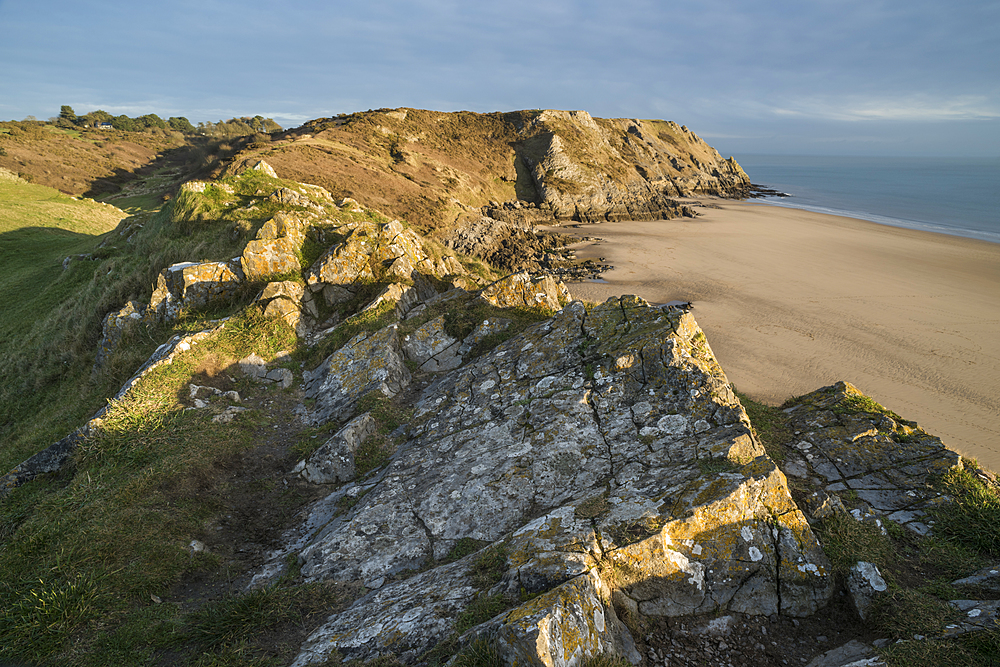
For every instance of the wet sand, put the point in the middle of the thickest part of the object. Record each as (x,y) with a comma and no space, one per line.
(792,301)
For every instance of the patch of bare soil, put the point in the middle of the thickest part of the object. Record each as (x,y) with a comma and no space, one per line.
(254,500)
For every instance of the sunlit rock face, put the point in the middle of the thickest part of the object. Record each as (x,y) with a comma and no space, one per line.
(603,447)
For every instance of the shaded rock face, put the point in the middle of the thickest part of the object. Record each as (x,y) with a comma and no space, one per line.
(604,445)
(192,285)
(334,461)
(115,326)
(366,363)
(510,246)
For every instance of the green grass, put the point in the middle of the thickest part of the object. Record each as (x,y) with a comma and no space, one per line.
(83,548)
(482,609)
(51,323)
(855,404)
(490,567)
(918,571)
(847,541)
(980,649)
(481,652)
(973,518)
(770,425)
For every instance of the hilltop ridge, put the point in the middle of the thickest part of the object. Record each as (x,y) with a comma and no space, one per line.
(437,170)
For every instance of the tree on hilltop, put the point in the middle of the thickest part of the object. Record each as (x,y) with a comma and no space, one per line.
(92,118)
(181,124)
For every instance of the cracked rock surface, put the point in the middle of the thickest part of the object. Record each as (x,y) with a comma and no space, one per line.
(604,443)
(887,462)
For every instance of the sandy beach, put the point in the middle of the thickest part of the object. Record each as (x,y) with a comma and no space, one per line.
(793,300)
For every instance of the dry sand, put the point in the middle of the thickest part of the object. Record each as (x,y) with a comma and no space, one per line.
(793,300)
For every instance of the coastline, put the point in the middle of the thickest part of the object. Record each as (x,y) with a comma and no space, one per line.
(792,300)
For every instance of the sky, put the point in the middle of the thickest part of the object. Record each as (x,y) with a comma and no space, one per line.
(799,77)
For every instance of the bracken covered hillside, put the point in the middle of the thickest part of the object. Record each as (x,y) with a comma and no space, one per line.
(437,169)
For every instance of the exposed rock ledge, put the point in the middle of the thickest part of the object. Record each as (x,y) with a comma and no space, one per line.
(605,457)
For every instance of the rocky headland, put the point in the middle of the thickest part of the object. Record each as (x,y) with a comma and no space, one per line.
(564,481)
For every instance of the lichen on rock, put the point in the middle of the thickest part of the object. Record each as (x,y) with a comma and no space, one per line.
(602,443)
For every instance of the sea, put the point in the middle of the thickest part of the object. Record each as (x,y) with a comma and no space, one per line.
(957,196)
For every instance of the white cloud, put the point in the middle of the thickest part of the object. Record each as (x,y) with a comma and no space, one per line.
(896,108)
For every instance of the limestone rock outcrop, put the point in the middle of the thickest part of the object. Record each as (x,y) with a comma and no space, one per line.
(192,285)
(366,363)
(115,326)
(334,461)
(521,290)
(602,445)
(276,249)
(846,443)
(591,169)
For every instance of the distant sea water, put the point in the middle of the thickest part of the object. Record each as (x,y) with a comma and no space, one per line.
(957,196)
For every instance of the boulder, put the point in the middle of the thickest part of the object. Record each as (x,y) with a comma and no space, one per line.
(521,290)
(253,366)
(565,627)
(852,654)
(334,461)
(865,584)
(276,248)
(987,579)
(347,262)
(368,362)
(265,168)
(283,225)
(283,300)
(191,285)
(262,259)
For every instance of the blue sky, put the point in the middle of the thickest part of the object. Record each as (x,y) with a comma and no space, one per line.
(862,77)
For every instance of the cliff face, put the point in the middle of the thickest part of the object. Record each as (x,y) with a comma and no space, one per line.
(439,169)
(622,169)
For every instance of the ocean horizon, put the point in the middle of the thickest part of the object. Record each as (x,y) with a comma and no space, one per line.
(955,196)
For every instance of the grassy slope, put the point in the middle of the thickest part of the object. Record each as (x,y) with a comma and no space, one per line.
(414,167)
(81,161)
(38,229)
(52,327)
